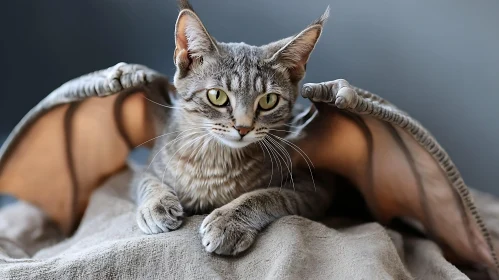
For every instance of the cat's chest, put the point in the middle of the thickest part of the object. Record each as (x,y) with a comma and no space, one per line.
(207,182)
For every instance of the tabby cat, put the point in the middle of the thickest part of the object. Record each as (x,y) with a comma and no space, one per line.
(223,150)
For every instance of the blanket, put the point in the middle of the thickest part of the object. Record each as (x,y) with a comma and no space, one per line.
(109,245)
(88,126)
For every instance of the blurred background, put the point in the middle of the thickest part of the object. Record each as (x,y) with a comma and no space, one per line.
(437,60)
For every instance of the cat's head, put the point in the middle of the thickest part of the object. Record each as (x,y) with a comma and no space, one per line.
(234,91)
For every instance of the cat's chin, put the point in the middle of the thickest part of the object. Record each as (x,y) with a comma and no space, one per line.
(233,144)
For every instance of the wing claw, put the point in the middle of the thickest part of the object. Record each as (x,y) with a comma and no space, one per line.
(338,93)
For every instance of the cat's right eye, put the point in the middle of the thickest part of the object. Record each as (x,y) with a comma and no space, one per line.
(268,101)
(218,97)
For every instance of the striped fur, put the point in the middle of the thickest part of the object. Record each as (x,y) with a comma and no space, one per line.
(202,163)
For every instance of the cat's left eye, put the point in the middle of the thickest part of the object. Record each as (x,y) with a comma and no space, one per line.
(268,101)
(218,97)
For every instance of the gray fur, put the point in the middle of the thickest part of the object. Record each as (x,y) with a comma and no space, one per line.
(203,165)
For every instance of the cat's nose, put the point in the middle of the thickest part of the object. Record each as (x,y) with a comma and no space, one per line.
(243,130)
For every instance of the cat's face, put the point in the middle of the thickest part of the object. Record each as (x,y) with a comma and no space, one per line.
(236,96)
(235,92)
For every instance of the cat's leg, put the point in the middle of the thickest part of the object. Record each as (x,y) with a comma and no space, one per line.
(232,228)
(159,209)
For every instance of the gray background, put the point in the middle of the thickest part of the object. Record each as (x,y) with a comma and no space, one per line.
(438,60)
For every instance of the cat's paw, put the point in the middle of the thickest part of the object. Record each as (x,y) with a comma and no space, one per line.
(224,232)
(160,214)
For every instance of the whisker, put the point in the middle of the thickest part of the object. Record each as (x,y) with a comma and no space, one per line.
(199,127)
(302,153)
(161,104)
(277,159)
(277,155)
(271,162)
(284,154)
(278,148)
(292,145)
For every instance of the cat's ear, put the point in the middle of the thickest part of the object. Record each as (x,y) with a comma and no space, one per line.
(293,53)
(192,41)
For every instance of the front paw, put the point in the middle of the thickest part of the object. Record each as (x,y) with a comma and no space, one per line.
(224,232)
(160,214)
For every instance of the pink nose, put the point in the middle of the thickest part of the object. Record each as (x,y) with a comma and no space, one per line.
(243,130)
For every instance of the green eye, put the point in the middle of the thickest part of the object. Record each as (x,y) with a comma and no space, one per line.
(268,101)
(217,97)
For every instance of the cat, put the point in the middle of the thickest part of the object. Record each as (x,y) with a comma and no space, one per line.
(223,150)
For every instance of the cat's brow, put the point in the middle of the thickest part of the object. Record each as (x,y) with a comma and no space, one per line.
(227,83)
(259,84)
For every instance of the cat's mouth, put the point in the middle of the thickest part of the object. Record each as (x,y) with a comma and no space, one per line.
(233,142)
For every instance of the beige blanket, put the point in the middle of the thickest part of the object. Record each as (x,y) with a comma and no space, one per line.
(109,245)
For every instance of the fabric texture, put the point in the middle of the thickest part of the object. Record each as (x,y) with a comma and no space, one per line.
(109,245)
